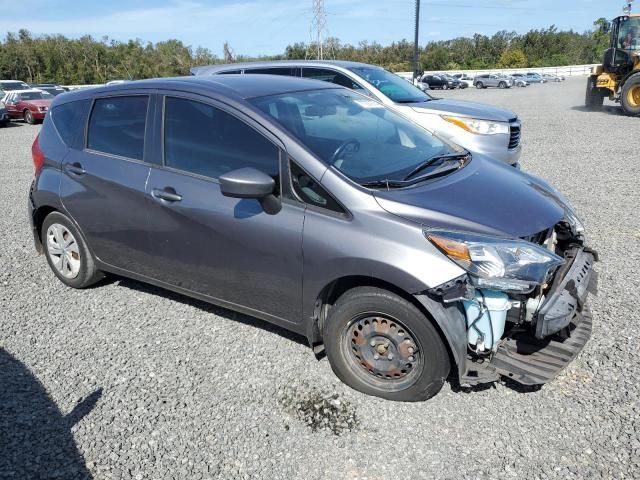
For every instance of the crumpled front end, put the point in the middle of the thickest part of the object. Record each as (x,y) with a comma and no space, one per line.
(531,336)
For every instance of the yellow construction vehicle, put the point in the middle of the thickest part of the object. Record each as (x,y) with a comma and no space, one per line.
(618,78)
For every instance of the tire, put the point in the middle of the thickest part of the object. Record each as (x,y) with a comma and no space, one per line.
(28,117)
(593,97)
(502,85)
(479,85)
(80,270)
(445,87)
(415,362)
(630,95)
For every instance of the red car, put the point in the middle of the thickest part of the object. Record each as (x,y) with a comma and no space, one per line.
(29,105)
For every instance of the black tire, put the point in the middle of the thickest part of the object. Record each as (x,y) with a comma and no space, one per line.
(28,117)
(630,95)
(87,273)
(445,87)
(479,85)
(502,85)
(594,97)
(418,377)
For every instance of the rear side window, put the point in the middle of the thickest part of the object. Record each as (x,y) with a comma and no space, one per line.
(285,71)
(117,126)
(331,76)
(67,118)
(202,139)
(229,72)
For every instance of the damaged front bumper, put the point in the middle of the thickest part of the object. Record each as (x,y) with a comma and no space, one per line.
(535,352)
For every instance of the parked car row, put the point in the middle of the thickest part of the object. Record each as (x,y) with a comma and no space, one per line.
(443,81)
(21,101)
(335,205)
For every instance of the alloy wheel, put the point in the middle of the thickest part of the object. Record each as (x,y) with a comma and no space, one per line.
(63,250)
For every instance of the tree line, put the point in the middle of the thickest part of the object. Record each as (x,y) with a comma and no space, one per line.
(87,60)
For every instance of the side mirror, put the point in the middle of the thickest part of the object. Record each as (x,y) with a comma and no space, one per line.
(248,182)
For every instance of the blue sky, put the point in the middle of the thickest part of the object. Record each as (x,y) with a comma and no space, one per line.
(267,26)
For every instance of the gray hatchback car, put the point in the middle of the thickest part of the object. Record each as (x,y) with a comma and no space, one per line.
(316,208)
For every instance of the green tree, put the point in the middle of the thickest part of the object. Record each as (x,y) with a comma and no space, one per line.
(513,58)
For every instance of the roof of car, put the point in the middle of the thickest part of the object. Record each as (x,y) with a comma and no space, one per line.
(237,86)
(213,69)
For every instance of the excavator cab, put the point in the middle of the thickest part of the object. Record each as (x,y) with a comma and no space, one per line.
(618,78)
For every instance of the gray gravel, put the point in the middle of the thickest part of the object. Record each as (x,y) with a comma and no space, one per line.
(128,381)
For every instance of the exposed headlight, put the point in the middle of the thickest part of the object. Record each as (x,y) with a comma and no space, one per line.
(478,127)
(496,263)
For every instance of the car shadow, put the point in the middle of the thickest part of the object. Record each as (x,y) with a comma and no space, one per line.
(611,109)
(12,124)
(454,383)
(205,307)
(35,437)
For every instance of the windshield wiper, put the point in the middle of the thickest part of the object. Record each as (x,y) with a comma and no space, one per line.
(388,184)
(460,157)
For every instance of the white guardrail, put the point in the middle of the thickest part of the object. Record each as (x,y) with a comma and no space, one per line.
(567,71)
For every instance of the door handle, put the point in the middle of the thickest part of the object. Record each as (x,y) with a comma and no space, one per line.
(168,194)
(75,168)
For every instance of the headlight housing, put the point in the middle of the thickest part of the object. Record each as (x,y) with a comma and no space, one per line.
(478,127)
(511,265)
(2,105)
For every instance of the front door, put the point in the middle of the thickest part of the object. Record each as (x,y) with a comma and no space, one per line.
(225,248)
(103,186)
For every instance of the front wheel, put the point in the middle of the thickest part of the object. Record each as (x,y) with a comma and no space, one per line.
(630,96)
(479,85)
(381,344)
(502,85)
(28,117)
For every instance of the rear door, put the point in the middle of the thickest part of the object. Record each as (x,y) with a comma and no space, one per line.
(103,186)
(228,249)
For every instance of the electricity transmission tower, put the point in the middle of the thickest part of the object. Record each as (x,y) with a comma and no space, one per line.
(318,29)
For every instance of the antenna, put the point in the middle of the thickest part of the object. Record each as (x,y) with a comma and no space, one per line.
(318,29)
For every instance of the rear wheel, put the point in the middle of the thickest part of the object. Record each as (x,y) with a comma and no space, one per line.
(381,344)
(594,97)
(28,117)
(67,252)
(630,95)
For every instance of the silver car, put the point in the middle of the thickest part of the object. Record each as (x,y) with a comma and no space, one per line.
(478,127)
(492,80)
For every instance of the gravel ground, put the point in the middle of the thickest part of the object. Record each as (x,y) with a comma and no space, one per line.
(129,381)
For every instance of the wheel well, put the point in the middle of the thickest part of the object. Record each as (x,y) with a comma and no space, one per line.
(334,290)
(38,219)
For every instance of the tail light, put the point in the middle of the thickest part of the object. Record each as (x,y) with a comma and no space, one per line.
(37,155)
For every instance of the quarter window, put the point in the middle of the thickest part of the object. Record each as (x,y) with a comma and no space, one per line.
(310,192)
(67,119)
(284,71)
(117,126)
(205,140)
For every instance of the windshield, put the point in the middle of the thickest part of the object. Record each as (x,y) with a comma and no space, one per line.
(629,34)
(392,86)
(357,135)
(14,86)
(35,96)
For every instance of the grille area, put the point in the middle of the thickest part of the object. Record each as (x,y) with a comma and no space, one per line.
(514,138)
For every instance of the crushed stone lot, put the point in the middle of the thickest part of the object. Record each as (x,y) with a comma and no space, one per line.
(127,381)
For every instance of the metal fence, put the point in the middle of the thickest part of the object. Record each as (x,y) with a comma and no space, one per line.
(566,71)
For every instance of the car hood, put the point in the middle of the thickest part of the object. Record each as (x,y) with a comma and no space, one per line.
(486,197)
(444,106)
